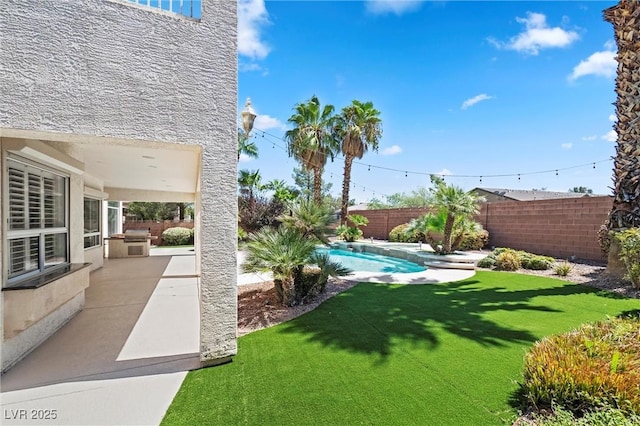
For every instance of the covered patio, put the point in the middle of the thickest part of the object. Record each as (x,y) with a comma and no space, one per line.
(129,348)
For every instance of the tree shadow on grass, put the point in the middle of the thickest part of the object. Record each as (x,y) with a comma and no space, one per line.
(369,318)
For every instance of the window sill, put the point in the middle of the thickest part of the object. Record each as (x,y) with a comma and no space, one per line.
(46,277)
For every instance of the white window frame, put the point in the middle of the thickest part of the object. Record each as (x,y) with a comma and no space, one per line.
(40,232)
(99,221)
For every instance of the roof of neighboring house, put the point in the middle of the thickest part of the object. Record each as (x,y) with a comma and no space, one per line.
(361,206)
(529,194)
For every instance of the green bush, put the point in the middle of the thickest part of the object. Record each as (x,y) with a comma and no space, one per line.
(475,240)
(594,367)
(242,234)
(606,416)
(630,253)
(508,260)
(177,236)
(488,262)
(563,269)
(399,234)
(535,262)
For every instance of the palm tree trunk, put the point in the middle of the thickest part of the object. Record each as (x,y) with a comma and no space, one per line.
(448,231)
(346,182)
(317,186)
(625,213)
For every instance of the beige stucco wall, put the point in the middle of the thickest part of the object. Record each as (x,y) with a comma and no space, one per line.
(23,308)
(105,71)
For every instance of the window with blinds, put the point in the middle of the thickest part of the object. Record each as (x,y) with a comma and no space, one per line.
(92,232)
(37,208)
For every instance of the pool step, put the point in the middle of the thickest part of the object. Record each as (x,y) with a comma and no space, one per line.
(439,264)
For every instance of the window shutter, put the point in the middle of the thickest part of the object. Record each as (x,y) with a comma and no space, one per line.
(17,205)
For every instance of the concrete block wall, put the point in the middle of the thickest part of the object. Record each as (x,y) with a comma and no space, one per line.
(156,227)
(561,227)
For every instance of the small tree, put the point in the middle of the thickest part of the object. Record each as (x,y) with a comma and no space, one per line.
(455,204)
(352,233)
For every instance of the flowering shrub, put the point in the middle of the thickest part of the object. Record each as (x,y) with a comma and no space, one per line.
(593,367)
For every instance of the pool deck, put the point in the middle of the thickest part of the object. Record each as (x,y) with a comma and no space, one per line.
(409,251)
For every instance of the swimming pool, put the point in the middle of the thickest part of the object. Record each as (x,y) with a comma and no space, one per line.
(369,262)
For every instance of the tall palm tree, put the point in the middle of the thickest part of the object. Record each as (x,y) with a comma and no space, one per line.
(359,128)
(456,202)
(312,141)
(245,146)
(625,213)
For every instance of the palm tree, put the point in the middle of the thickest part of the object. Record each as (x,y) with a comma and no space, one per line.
(625,213)
(285,252)
(249,183)
(456,202)
(359,128)
(313,221)
(311,141)
(245,147)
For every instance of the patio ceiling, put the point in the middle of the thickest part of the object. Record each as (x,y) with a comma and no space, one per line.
(168,168)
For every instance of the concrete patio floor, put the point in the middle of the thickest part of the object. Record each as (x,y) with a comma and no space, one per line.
(122,359)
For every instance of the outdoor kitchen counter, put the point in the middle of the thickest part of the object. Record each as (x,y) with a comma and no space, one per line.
(133,243)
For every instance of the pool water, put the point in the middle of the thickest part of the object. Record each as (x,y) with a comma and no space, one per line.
(369,262)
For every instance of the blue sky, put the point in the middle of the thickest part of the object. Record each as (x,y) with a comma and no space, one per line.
(464,89)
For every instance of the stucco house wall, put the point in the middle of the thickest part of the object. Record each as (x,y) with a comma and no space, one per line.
(110,72)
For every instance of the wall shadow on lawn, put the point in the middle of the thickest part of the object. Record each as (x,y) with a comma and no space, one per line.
(369,318)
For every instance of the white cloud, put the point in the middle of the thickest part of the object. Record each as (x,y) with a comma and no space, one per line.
(566,145)
(613,117)
(610,136)
(536,36)
(444,172)
(252,16)
(589,138)
(397,7)
(602,63)
(266,122)
(392,150)
(472,101)
(244,158)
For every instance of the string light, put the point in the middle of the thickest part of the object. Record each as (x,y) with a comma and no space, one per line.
(407,172)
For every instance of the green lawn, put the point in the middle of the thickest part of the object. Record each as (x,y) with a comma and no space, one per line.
(393,354)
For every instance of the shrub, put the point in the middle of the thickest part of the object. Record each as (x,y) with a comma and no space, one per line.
(177,236)
(242,234)
(399,234)
(563,269)
(474,240)
(606,416)
(535,262)
(488,262)
(587,369)
(508,260)
(630,253)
